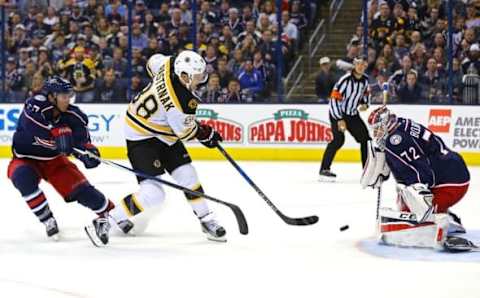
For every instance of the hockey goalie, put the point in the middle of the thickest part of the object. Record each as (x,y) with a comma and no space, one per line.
(430,179)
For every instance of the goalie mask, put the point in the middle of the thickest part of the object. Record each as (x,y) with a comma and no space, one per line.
(381,121)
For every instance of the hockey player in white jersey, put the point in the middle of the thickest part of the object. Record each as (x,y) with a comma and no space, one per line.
(158,120)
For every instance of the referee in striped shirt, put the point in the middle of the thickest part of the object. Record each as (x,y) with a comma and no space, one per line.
(349,96)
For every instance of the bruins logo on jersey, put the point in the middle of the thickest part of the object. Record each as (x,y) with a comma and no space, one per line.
(192,104)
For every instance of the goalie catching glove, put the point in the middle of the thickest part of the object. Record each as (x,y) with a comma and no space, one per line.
(208,136)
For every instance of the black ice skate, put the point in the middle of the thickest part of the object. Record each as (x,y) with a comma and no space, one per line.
(212,229)
(98,231)
(51,228)
(457,244)
(125,225)
(327,176)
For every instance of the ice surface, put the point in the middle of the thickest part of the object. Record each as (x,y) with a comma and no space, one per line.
(173,259)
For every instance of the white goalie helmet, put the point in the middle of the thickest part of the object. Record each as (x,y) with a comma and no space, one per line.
(193,65)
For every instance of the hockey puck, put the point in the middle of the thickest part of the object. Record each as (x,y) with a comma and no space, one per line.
(344,228)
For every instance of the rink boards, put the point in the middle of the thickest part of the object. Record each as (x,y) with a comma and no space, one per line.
(270,132)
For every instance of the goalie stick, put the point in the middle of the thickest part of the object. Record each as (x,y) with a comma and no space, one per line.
(242,222)
(309,220)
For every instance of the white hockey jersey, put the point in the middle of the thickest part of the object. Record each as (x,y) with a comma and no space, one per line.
(164,109)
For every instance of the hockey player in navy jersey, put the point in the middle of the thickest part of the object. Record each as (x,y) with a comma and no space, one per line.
(48,130)
(430,179)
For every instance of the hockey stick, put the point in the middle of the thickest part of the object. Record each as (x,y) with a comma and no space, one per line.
(379,197)
(242,222)
(309,220)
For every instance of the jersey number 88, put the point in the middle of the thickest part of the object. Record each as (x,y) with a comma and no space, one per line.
(145,104)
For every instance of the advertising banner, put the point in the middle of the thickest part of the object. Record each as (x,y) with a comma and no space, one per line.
(273,126)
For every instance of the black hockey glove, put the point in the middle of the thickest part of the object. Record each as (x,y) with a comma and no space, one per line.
(62,136)
(88,161)
(208,136)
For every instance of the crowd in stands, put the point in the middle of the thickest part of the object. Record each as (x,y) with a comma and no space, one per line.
(86,41)
(408,48)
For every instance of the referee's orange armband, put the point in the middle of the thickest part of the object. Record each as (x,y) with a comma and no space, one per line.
(336,95)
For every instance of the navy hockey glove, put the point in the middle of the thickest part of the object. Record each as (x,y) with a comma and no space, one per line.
(62,136)
(88,161)
(208,136)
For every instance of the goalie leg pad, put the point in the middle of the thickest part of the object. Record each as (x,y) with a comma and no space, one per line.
(401,229)
(419,200)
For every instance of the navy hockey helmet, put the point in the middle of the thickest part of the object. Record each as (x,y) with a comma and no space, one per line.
(57,84)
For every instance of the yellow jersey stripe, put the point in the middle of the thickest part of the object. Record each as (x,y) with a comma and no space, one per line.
(152,125)
(168,83)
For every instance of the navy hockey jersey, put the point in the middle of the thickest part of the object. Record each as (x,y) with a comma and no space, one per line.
(32,138)
(416,155)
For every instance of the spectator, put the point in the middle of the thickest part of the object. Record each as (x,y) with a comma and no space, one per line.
(410,92)
(207,15)
(163,16)
(473,59)
(235,64)
(233,94)
(211,59)
(399,17)
(225,75)
(37,84)
(434,83)
(382,26)
(263,24)
(43,63)
(212,92)
(473,18)
(247,46)
(175,20)
(471,86)
(324,81)
(250,29)
(135,86)
(150,27)
(152,48)
(234,21)
(457,76)
(14,82)
(429,23)
(139,39)
(400,49)
(80,71)
(110,89)
(267,72)
(400,75)
(290,29)
(116,8)
(250,79)
(186,13)
(23,60)
(138,63)
(346,64)
(19,39)
(297,17)
(412,22)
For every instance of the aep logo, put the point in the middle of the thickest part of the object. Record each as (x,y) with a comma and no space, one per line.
(9,119)
(439,120)
(100,122)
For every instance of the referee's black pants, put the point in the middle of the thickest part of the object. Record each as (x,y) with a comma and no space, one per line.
(357,128)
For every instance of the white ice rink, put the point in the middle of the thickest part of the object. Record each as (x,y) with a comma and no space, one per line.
(173,259)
